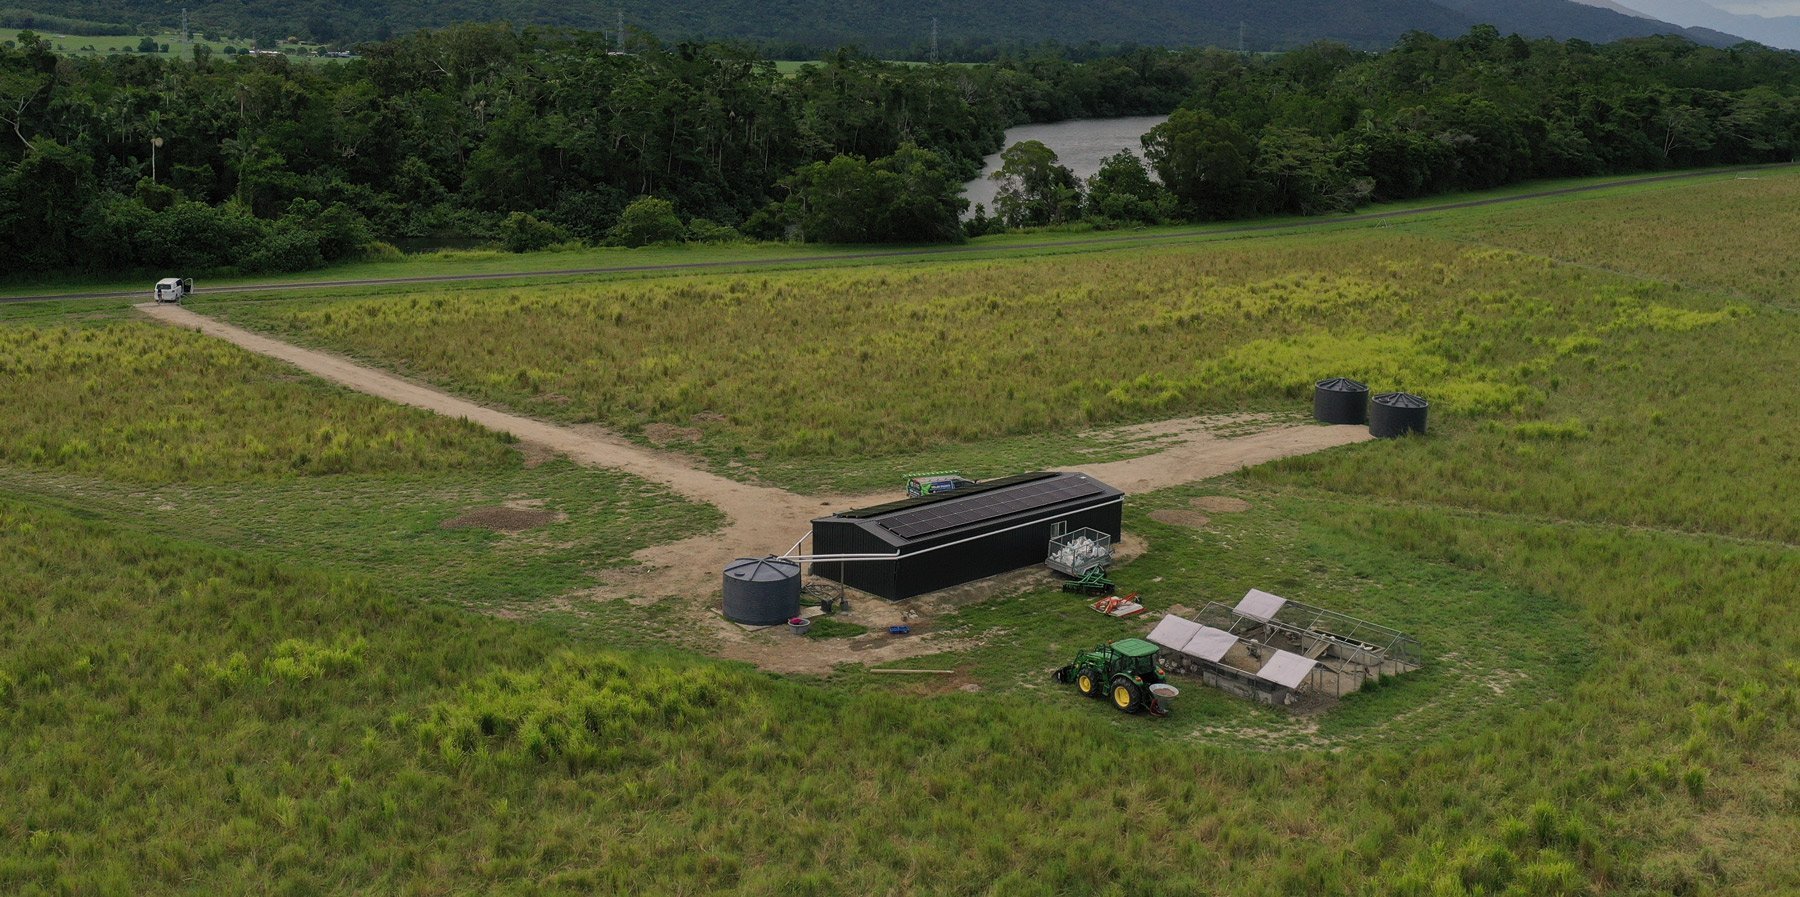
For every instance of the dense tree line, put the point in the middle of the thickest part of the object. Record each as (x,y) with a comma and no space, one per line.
(531,138)
(1326,128)
(968,30)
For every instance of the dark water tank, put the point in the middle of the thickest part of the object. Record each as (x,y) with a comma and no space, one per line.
(1396,414)
(1340,401)
(762,591)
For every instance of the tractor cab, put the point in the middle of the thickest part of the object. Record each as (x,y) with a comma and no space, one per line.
(1121,672)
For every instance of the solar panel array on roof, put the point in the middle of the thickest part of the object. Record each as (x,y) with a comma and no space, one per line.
(934,518)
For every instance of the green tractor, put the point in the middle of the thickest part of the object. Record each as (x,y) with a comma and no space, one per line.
(1124,672)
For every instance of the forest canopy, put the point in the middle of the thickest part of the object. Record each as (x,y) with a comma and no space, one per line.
(532,137)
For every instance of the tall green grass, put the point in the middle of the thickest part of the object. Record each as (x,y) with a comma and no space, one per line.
(142,402)
(180,720)
(883,362)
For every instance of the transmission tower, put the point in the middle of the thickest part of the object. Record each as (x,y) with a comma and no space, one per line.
(934,41)
(621,31)
(187,36)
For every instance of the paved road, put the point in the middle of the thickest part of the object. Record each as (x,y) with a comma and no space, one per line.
(925,251)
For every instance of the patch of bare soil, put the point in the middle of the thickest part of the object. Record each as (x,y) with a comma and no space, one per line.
(534,453)
(669,434)
(1198,453)
(1178,517)
(1220,504)
(504,519)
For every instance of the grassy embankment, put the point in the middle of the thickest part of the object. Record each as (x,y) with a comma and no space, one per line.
(1606,592)
(538,267)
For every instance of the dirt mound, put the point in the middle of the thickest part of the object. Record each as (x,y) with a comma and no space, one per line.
(1179,517)
(503,519)
(669,434)
(1220,504)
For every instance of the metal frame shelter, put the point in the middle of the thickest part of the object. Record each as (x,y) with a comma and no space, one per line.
(1319,632)
(1240,665)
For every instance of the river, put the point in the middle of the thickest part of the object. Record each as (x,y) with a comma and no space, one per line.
(1079,144)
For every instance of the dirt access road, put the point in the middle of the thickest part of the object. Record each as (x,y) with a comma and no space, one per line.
(759,519)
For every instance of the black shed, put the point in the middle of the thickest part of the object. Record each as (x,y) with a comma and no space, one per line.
(938,541)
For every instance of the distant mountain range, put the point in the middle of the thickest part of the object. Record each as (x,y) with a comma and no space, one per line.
(904,27)
(1776,31)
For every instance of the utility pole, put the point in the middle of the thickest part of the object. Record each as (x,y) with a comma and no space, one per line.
(1241,48)
(934,41)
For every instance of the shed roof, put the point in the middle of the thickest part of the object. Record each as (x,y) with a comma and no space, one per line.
(973,509)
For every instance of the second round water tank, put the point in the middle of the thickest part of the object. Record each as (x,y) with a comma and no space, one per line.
(762,591)
(1396,414)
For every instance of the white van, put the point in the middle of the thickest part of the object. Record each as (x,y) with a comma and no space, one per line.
(173,289)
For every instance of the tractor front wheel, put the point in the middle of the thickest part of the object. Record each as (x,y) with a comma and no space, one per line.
(1088,682)
(1127,695)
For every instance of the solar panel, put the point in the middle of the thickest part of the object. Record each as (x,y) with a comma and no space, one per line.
(952,513)
(1259,605)
(1210,644)
(1287,669)
(1173,632)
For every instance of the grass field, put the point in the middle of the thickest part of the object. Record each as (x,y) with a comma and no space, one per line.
(795,374)
(532,267)
(106,45)
(240,676)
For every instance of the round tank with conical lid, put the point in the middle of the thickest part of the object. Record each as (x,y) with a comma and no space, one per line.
(1396,414)
(762,591)
(1340,400)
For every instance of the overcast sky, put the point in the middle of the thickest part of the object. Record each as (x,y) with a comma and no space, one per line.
(1759,7)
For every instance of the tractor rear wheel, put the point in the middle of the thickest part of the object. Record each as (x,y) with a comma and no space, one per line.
(1127,695)
(1087,681)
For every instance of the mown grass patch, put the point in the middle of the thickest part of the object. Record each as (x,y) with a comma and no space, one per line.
(392,527)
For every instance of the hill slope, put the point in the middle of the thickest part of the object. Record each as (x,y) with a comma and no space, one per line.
(894,27)
(1776,31)
(1565,19)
